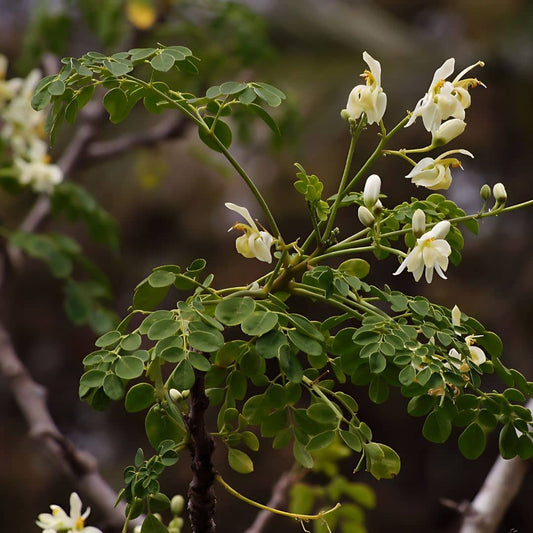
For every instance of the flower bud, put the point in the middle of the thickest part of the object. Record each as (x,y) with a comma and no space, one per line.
(175,395)
(377,209)
(485,192)
(371,190)
(448,131)
(177,504)
(365,216)
(500,194)
(419,223)
(185,394)
(456,316)
(175,525)
(345,115)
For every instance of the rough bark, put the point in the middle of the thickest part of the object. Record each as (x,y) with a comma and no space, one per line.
(202,500)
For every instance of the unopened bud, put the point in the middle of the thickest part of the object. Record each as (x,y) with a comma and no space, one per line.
(175,525)
(372,190)
(419,223)
(175,395)
(500,194)
(177,504)
(485,192)
(185,394)
(456,316)
(377,209)
(345,115)
(448,131)
(137,529)
(365,216)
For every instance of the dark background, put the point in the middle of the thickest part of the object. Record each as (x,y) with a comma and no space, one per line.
(169,200)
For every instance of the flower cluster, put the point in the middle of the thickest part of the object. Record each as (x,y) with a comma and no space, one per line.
(59,521)
(22,131)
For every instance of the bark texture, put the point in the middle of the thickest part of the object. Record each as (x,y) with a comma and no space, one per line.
(202,500)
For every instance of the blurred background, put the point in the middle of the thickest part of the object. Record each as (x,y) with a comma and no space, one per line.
(168,200)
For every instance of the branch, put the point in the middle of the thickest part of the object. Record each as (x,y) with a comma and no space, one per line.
(202,500)
(173,127)
(81,466)
(501,485)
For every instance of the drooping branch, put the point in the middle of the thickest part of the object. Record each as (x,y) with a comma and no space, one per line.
(202,500)
(80,465)
(500,487)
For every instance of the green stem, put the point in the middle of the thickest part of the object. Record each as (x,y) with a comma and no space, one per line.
(185,108)
(251,185)
(356,250)
(299,289)
(296,516)
(344,178)
(377,152)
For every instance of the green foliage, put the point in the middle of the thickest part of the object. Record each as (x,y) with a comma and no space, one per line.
(311,187)
(270,372)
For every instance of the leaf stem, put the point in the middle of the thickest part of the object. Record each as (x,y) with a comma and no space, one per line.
(296,516)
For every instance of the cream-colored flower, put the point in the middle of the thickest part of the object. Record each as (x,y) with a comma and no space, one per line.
(59,520)
(477,355)
(40,175)
(370,98)
(435,174)
(253,243)
(445,99)
(430,253)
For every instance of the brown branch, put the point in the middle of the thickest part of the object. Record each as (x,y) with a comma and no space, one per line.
(80,465)
(173,127)
(202,500)
(500,487)
(278,499)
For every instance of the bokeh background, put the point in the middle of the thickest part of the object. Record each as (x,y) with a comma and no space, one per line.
(168,199)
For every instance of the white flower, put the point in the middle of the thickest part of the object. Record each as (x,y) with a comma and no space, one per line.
(431,252)
(371,190)
(435,174)
(40,175)
(59,520)
(445,99)
(370,98)
(477,355)
(253,243)
(456,359)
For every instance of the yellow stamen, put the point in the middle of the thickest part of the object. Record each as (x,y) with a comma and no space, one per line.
(80,523)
